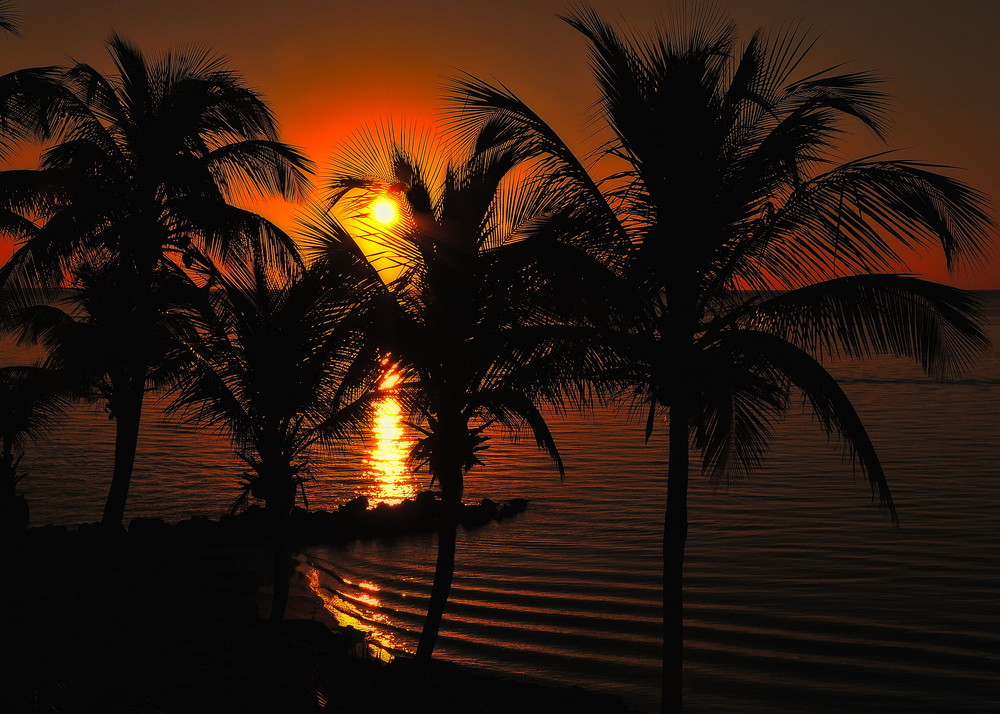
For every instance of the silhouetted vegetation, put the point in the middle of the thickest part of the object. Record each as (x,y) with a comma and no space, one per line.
(85,332)
(136,182)
(31,401)
(722,192)
(280,365)
(9,18)
(474,334)
(700,267)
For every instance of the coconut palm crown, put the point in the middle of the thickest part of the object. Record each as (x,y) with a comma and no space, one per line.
(141,174)
(754,253)
(469,269)
(281,365)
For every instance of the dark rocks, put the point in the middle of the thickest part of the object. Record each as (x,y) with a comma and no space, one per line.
(489,510)
(354,507)
(422,514)
(197,526)
(352,520)
(148,529)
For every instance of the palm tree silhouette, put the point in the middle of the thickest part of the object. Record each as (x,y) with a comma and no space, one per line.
(31,401)
(85,331)
(281,365)
(141,179)
(469,272)
(754,254)
(9,18)
(30,102)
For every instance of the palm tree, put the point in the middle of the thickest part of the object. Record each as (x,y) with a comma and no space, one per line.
(31,401)
(469,272)
(142,179)
(85,332)
(9,18)
(280,365)
(28,105)
(754,253)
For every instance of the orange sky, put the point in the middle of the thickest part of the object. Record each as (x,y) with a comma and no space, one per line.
(328,67)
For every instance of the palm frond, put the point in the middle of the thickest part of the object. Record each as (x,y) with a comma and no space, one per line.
(32,401)
(230,234)
(10,19)
(34,105)
(278,363)
(738,408)
(259,168)
(490,116)
(862,215)
(860,316)
(777,361)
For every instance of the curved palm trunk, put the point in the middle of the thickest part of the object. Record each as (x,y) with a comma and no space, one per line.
(128,381)
(128,413)
(675,528)
(444,570)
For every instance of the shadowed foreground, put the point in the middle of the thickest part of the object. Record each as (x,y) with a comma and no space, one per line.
(166,625)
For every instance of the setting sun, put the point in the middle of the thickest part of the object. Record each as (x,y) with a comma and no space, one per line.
(586,356)
(384,210)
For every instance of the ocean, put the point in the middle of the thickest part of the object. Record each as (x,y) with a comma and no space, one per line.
(800,596)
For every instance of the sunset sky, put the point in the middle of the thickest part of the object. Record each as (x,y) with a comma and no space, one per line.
(330,67)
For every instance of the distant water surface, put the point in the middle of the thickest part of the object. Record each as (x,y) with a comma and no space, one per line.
(800,595)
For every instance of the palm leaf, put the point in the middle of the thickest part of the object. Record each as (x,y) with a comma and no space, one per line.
(776,360)
(865,315)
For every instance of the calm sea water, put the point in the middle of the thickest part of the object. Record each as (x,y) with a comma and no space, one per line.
(800,595)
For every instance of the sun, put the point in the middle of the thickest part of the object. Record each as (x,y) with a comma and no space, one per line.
(384,210)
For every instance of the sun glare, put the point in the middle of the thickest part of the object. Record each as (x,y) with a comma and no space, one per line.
(383,210)
(390,375)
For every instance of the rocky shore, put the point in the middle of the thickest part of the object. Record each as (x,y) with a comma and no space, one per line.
(353,520)
(167,618)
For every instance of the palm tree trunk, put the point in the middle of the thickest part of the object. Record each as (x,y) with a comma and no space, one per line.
(444,570)
(675,528)
(278,504)
(127,413)
(279,551)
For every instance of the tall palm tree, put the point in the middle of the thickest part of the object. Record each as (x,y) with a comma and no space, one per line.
(469,271)
(280,365)
(142,179)
(31,401)
(754,253)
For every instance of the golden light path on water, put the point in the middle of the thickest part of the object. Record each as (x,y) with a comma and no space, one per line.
(387,468)
(387,462)
(380,643)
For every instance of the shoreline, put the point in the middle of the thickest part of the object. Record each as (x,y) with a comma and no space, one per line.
(142,624)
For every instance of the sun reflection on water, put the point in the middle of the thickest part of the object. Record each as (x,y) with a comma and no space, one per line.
(359,612)
(389,479)
(386,463)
